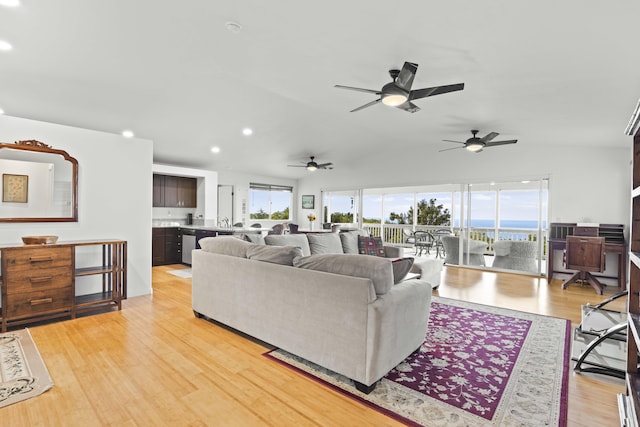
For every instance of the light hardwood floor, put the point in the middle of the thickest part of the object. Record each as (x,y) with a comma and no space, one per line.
(154,363)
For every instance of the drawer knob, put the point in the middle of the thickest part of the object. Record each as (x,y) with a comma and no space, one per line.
(41,301)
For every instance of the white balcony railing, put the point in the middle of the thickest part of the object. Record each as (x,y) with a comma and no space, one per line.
(397,234)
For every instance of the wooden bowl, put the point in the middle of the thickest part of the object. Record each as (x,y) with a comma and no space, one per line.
(39,240)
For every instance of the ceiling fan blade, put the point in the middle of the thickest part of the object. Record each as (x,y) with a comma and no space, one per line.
(494,143)
(449,149)
(449,140)
(297,166)
(366,105)
(377,92)
(437,90)
(324,165)
(405,78)
(409,107)
(488,137)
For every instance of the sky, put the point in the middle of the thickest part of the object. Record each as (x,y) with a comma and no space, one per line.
(515,205)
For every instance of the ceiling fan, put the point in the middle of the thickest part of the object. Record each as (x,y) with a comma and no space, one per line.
(312,165)
(476,144)
(398,93)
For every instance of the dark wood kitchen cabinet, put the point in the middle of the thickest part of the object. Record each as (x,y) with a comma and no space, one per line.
(166,246)
(174,191)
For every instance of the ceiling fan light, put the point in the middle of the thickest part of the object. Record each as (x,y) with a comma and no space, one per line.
(393,100)
(474,146)
(312,168)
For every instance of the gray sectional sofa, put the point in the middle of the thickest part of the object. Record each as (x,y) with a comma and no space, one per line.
(346,312)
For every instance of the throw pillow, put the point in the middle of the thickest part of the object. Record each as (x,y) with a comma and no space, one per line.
(225,245)
(283,255)
(370,246)
(299,240)
(378,270)
(324,243)
(401,268)
(256,238)
(349,240)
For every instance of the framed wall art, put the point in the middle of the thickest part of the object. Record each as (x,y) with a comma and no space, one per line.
(308,202)
(15,188)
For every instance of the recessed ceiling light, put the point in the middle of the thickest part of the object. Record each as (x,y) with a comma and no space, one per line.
(215,149)
(127,134)
(5,45)
(10,3)
(247,131)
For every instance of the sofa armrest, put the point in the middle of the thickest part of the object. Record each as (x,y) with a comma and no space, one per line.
(393,252)
(429,270)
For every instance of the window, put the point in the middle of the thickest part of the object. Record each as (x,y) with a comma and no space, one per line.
(269,201)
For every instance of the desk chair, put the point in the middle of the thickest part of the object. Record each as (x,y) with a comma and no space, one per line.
(585,254)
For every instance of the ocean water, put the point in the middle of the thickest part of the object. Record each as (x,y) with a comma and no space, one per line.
(505,223)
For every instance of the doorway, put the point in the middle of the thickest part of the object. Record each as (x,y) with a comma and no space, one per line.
(225,204)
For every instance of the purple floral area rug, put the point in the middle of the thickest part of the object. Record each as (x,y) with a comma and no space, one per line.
(478,366)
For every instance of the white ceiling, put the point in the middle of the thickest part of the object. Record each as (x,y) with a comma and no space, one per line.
(547,73)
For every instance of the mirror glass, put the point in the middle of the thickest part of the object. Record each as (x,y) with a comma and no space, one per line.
(39,183)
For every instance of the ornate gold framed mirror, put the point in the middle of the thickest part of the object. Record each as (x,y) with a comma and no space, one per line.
(39,183)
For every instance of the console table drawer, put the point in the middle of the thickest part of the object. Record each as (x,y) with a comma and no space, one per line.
(22,281)
(26,304)
(37,258)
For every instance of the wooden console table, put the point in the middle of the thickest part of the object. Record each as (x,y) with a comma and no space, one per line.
(38,282)
(614,243)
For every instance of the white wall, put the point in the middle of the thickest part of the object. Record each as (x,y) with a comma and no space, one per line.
(114,191)
(240,182)
(589,184)
(207,197)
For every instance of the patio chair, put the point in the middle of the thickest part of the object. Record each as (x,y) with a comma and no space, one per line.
(475,248)
(517,255)
(408,236)
(277,229)
(422,241)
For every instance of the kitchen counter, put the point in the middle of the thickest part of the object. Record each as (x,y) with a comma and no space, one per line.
(206,227)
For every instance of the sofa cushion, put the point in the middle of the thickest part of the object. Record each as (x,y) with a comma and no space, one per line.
(225,245)
(370,246)
(378,270)
(274,254)
(401,267)
(299,240)
(349,240)
(324,243)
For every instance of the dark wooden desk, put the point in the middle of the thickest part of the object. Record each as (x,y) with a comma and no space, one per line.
(614,244)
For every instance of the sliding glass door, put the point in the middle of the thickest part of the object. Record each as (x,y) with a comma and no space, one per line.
(504,225)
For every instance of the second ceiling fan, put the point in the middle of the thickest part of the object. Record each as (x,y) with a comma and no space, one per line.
(313,166)
(398,93)
(476,144)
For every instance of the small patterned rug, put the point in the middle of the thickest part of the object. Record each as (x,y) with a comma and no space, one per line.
(478,366)
(22,370)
